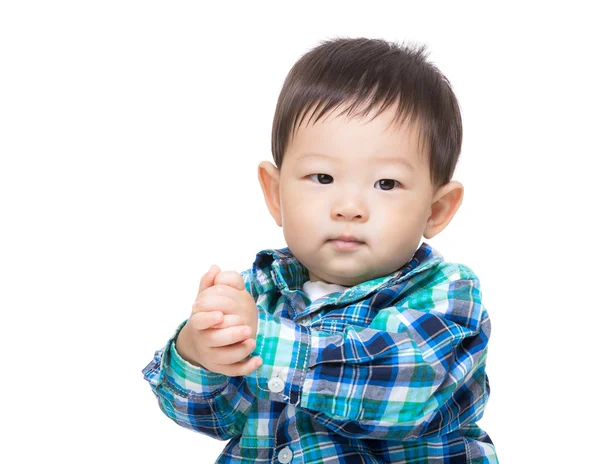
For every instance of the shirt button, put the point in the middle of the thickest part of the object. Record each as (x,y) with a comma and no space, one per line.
(276,385)
(285,455)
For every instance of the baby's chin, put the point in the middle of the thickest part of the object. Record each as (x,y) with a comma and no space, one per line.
(347,278)
(347,269)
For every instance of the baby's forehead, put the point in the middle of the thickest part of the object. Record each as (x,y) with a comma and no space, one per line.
(379,138)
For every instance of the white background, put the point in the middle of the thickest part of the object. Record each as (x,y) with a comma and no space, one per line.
(130,134)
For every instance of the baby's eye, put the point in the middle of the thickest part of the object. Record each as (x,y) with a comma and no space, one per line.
(326,178)
(387,184)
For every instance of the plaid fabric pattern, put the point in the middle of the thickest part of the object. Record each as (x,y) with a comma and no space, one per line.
(388,371)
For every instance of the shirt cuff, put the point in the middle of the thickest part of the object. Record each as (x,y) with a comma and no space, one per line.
(188,377)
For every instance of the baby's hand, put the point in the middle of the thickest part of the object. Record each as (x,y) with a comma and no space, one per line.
(220,333)
(206,317)
(229,295)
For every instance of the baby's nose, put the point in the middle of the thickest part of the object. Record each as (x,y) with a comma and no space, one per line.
(350,210)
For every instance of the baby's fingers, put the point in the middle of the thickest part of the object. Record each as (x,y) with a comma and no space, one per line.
(206,319)
(231,354)
(229,336)
(229,320)
(240,368)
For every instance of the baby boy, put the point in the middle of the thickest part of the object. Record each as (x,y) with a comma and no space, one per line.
(357,343)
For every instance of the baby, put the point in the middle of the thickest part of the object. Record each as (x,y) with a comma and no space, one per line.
(357,343)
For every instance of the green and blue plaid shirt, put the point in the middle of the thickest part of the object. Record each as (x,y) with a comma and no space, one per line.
(388,371)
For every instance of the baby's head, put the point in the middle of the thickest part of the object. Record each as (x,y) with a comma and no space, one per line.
(375,164)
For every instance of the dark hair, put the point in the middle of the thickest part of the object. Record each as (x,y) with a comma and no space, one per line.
(373,72)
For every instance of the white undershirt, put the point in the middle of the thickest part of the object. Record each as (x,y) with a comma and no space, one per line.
(316,290)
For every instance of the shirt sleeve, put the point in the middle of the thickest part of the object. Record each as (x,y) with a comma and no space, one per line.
(196,398)
(416,370)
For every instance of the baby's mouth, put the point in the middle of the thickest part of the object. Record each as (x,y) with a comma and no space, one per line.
(345,243)
(347,238)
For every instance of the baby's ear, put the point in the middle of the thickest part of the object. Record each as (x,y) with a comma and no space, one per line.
(268,176)
(446,202)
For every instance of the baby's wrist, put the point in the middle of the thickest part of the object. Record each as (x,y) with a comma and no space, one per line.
(184,346)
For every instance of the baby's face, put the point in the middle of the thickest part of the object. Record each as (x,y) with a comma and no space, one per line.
(351,177)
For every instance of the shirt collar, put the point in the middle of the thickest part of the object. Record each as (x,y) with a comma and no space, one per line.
(279,268)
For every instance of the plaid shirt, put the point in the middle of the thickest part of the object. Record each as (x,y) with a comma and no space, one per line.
(388,371)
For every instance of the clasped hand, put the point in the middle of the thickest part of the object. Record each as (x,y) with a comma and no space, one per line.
(220,333)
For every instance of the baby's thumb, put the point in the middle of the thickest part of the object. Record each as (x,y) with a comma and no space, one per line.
(232,278)
(208,279)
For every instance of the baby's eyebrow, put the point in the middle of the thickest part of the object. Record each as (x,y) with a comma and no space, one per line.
(383,159)
(396,160)
(307,155)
